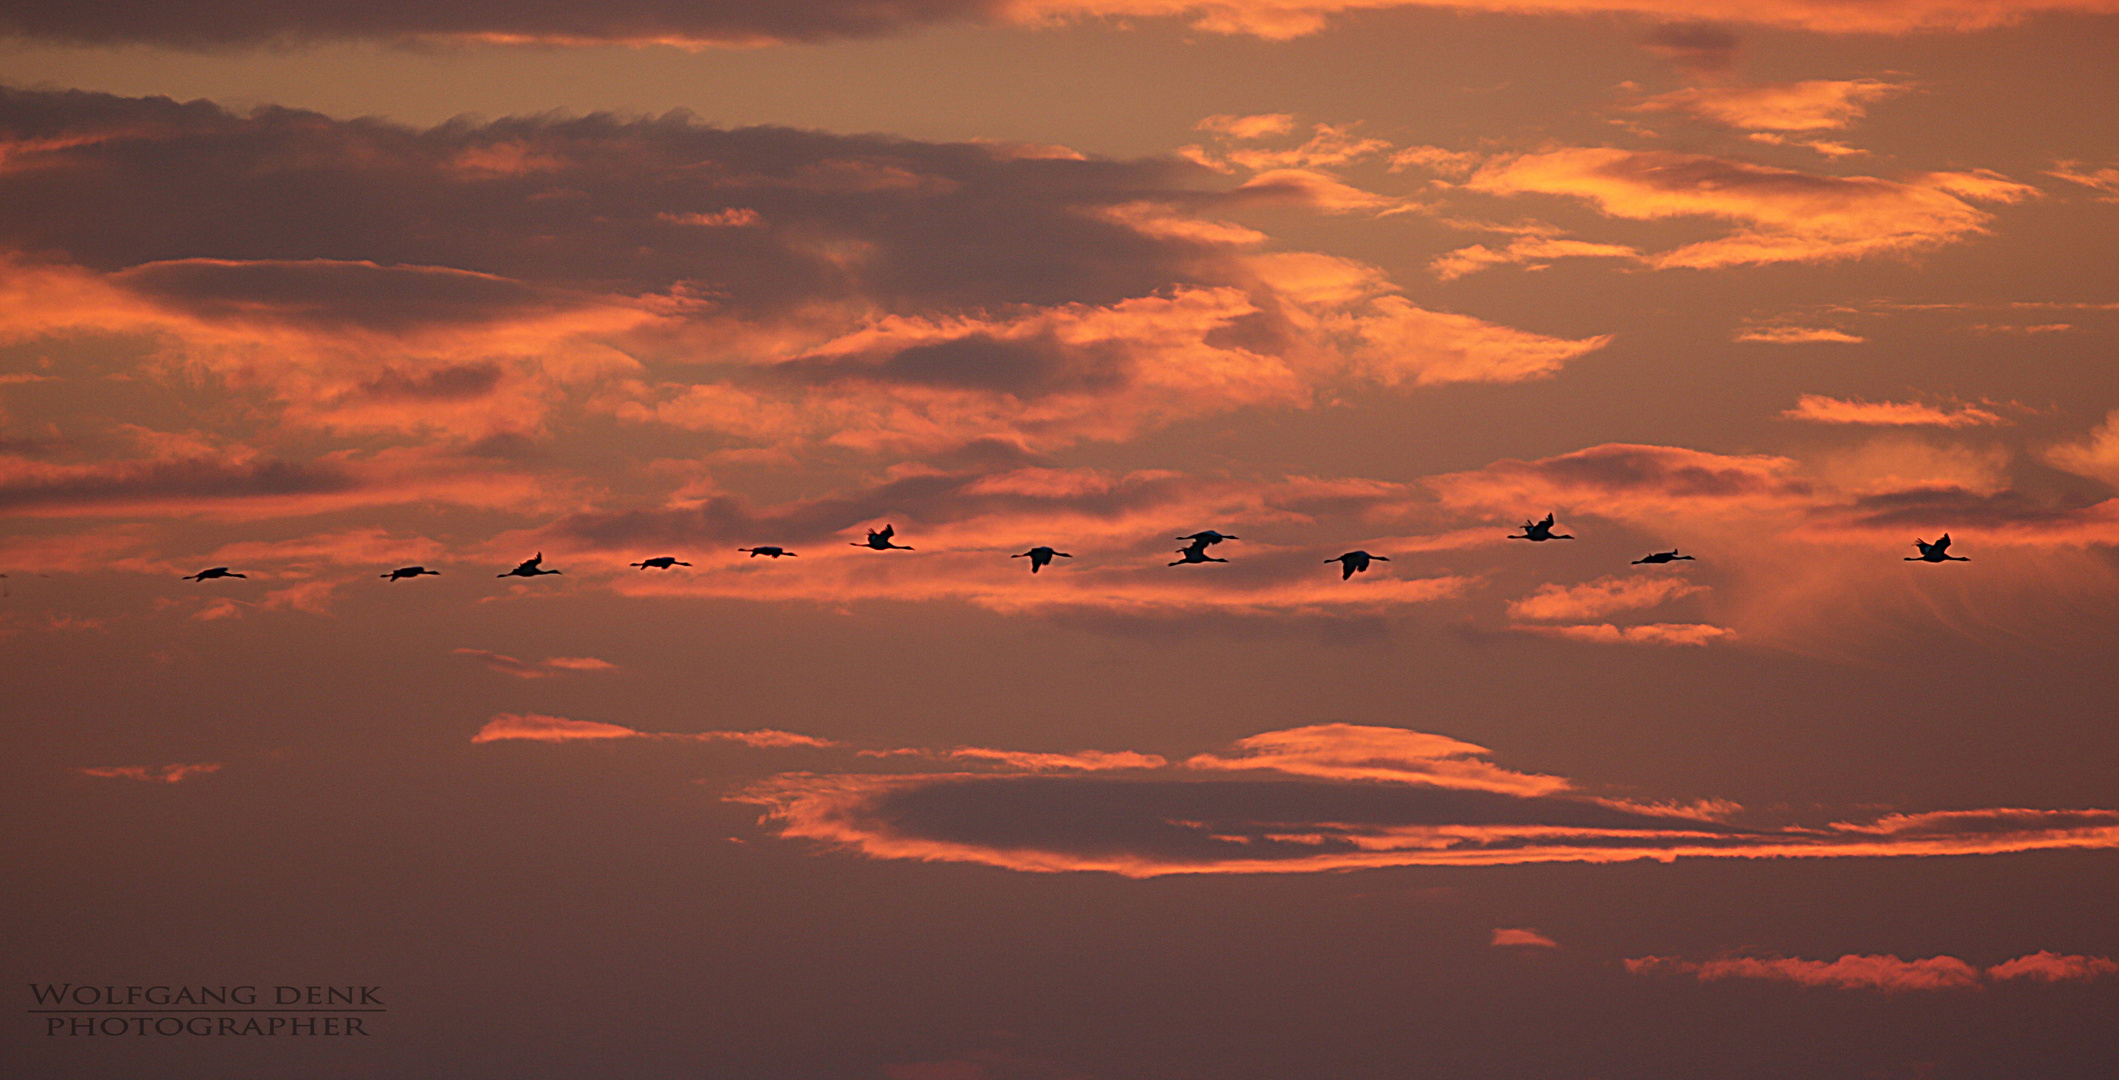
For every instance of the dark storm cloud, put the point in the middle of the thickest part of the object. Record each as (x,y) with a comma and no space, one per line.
(755,220)
(1699,46)
(327,294)
(32,487)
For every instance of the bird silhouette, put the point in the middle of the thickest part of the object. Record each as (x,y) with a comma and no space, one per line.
(1041,557)
(659,562)
(1355,562)
(1661,557)
(1209,538)
(210,574)
(1939,551)
(528,568)
(767,550)
(1540,530)
(409,571)
(1196,552)
(879,540)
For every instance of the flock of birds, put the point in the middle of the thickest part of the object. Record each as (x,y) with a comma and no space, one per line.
(1194,552)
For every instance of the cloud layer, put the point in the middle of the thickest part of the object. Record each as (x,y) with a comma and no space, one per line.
(1332,797)
(207,23)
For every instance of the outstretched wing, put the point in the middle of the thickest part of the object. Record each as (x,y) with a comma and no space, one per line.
(886,532)
(1943,544)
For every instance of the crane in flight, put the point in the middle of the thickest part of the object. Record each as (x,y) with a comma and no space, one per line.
(221,571)
(659,562)
(879,540)
(1939,551)
(767,550)
(1540,530)
(1195,552)
(1355,562)
(409,571)
(529,568)
(1661,557)
(1040,557)
(1209,538)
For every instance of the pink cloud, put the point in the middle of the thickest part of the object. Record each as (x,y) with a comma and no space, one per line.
(1797,335)
(536,727)
(1357,752)
(1646,634)
(1336,797)
(549,666)
(167,774)
(1887,974)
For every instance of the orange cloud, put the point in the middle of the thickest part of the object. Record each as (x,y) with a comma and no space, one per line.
(1600,597)
(1826,410)
(1797,335)
(1353,751)
(1887,974)
(1814,105)
(2096,457)
(536,727)
(2104,180)
(1528,249)
(167,774)
(1329,797)
(1648,634)
(549,666)
(1248,127)
(1787,216)
(1520,936)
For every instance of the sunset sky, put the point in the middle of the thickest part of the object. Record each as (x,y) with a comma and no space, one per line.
(314,291)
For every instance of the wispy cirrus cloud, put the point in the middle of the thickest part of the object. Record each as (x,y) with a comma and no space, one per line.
(167,774)
(538,727)
(541,669)
(2102,179)
(1883,973)
(1817,408)
(1797,335)
(1643,634)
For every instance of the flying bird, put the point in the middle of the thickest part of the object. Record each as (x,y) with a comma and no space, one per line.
(1939,551)
(767,550)
(409,571)
(879,540)
(1209,538)
(1196,552)
(1041,557)
(1661,557)
(222,571)
(529,568)
(659,562)
(1540,530)
(1355,562)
